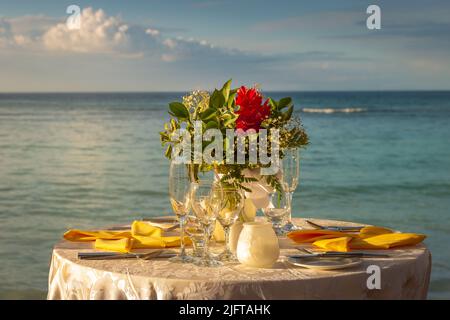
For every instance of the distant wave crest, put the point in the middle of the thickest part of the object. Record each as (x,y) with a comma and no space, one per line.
(333,110)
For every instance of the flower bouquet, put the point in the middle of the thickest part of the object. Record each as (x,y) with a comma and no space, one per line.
(237,133)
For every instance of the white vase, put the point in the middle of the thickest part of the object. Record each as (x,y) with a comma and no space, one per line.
(260,190)
(258,245)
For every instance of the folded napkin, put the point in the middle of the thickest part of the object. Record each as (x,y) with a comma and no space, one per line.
(141,235)
(368,238)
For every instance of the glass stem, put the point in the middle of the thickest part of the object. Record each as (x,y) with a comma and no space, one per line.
(227,239)
(289,203)
(182,244)
(205,245)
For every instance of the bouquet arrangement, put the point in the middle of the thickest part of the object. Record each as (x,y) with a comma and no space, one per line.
(236,132)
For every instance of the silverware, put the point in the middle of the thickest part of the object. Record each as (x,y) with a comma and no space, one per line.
(119,228)
(160,219)
(159,222)
(358,254)
(336,228)
(175,226)
(114,256)
(171,228)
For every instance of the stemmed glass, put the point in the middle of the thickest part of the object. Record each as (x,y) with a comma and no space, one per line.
(206,200)
(290,173)
(179,193)
(232,204)
(277,211)
(195,232)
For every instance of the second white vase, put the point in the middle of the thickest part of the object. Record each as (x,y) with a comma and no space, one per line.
(258,245)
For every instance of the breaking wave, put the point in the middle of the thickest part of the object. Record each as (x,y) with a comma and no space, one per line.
(332,110)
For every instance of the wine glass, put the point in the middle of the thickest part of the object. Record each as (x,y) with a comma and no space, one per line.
(290,173)
(232,202)
(206,204)
(277,210)
(179,193)
(195,232)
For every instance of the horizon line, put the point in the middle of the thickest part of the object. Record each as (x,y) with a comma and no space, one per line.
(184,91)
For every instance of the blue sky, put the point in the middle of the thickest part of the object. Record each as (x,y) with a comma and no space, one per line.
(182,45)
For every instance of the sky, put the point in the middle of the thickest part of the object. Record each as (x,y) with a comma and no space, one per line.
(172,45)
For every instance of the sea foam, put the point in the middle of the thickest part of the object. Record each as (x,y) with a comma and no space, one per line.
(332,110)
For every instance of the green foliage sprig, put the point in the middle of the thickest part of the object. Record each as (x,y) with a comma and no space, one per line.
(218,110)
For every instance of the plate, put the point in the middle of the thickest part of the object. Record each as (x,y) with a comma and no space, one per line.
(324,263)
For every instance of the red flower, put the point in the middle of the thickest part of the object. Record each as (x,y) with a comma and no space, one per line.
(251,109)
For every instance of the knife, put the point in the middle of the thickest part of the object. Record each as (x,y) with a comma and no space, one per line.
(336,228)
(113,255)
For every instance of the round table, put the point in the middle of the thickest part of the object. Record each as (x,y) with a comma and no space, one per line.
(404,275)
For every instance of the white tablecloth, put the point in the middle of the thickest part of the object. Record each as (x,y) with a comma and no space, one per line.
(406,275)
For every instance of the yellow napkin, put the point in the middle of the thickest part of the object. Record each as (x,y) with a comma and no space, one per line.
(120,245)
(80,235)
(142,235)
(368,238)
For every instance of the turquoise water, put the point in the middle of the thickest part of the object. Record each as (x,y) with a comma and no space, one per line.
(85,160)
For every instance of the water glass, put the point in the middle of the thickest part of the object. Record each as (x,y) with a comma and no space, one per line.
(196,233)
(206,204)
(290,173)
(179,193)
(277,211)
(232,203)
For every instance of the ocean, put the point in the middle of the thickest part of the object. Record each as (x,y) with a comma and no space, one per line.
(94,159)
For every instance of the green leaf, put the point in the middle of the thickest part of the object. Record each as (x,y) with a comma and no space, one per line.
(285,102)
(206,143)
(174,124)
(179,110)
(208,114)
(211,125)
(226,116)
(229,122)
(226,89)
(163,136)
(168,152)
(273,104)
(228,119)
(217,99)
(231,98)
(288,114)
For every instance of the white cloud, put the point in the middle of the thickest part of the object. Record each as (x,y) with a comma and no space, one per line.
(32,24)
(23,31)
(100,34)
(104,38)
